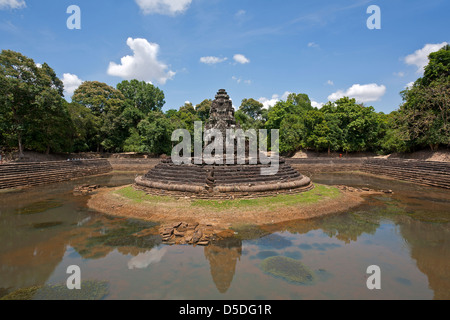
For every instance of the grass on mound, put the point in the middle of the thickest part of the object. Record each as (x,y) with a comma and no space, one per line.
(320,192)
(139,196)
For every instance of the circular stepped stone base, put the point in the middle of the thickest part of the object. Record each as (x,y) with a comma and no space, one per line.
(221,181)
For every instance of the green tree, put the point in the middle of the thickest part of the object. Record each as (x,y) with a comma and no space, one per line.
(424,115)
(156,133)
(438,68)
(186,118)
(300,99)
(85,133)
(252,108)
(50,131)
(203,109)
(244,120)
(392,138)
(30,102)
(316,130)
(335,134)
(107,104)
(360,125)
(142,95)
(292,133)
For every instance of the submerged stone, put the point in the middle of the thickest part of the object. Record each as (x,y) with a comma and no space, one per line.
(38,207)
(288,269)
(47,225)
(273,241)
(266,254)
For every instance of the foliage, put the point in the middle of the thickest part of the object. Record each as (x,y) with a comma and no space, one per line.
(31,104)
(202,110)
(252,108)
(107,105)
(34,115)
(424,115)
(143,96)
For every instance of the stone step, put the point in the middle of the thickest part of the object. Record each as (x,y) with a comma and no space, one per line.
(33,174)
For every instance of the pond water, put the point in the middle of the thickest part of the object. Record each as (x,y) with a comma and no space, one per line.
(407,234)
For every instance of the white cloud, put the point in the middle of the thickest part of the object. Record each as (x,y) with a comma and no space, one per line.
(143,65)
(420,57)
(212,60)
(12,4)
(71,83)
(240,13)
(240,58)
(331,83)
(409,85)
(267,103)
(399,74)
(313,45)
(165,7)
(316,104)
(239,80)
(144,260)
(285,95)
(362,93)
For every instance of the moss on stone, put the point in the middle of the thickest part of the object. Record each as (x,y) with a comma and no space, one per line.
(288,269)
(22,294)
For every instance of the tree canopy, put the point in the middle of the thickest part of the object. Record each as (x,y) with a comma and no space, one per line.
(31,103)
(424,116)
(34,115)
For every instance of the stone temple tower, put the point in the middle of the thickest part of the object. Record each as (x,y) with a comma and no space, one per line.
(222,181)
(221,115)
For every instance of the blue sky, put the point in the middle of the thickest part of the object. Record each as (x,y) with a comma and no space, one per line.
(254,49)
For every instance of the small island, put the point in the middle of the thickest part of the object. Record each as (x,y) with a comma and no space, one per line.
(208,199)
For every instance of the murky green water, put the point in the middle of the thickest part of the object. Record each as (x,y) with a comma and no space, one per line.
(407,234)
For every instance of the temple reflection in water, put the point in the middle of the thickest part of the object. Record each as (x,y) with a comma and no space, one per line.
(223,257)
